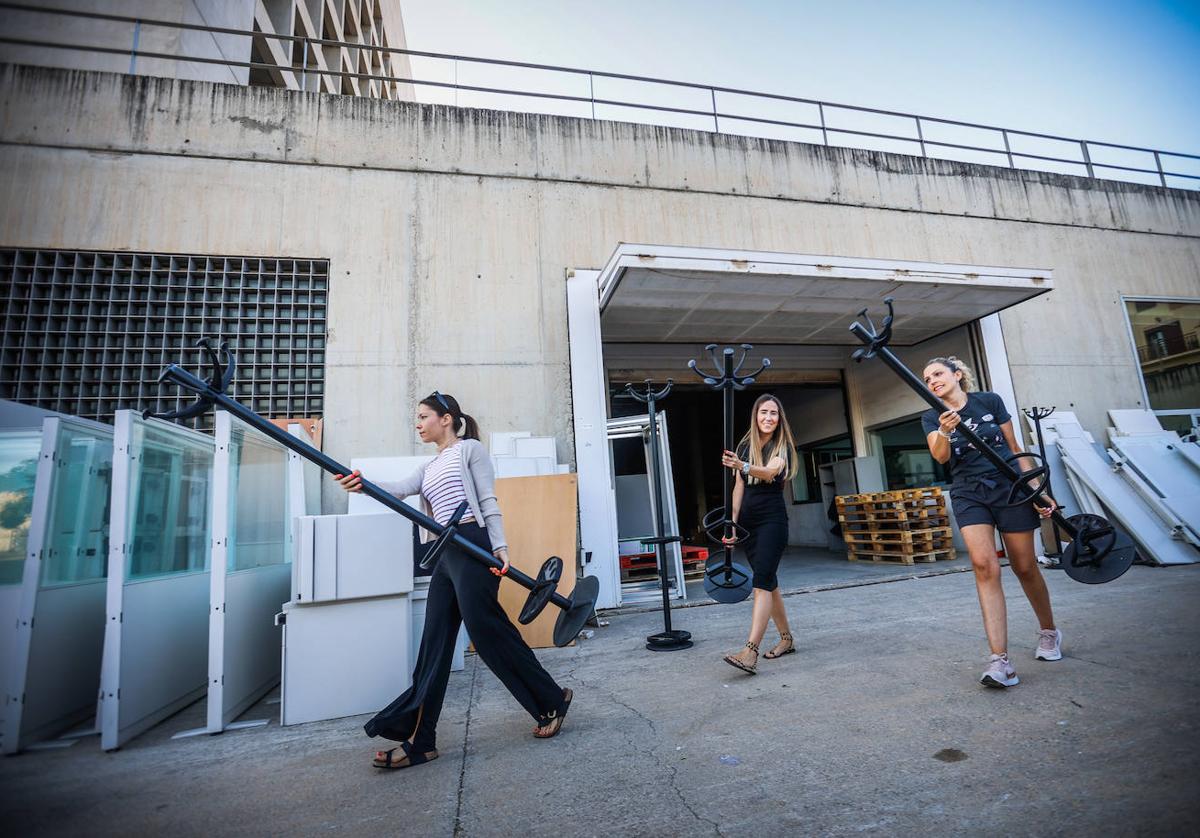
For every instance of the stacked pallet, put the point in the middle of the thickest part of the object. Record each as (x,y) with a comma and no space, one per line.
(905,526)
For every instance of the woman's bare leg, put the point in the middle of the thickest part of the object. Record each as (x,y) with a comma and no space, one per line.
(981,545)
(1022,558)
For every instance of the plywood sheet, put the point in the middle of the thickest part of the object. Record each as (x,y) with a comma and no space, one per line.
(539,521)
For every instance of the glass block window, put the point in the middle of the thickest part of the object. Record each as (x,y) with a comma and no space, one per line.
(87,333)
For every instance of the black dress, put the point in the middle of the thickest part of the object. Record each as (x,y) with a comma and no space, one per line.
(764,514)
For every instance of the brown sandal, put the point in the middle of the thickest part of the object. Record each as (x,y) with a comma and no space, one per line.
(783,638)
(556,718)
(410,759)
(749,669)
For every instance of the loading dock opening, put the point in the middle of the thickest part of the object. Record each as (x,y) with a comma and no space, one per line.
(653,307)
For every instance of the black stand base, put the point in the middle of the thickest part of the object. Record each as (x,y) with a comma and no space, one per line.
(669,641)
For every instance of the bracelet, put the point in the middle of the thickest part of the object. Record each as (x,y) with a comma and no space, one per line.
(944,434)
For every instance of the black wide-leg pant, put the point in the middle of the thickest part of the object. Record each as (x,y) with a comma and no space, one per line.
(463,590)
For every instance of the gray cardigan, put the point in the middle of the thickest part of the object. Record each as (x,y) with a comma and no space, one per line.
(478,479)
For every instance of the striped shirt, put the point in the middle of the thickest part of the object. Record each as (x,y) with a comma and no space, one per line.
(443,486)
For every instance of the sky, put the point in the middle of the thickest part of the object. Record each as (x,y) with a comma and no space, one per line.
(1120,72)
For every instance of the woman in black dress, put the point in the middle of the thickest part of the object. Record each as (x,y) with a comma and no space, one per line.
(764,462)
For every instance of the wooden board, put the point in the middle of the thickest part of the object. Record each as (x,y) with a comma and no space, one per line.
(540,519)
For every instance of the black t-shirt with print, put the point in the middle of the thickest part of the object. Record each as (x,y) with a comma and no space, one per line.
(983,413)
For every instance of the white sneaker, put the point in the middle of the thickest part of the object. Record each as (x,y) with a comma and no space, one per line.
(1049,646)
(999,673)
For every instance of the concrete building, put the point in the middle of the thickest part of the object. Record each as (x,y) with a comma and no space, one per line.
(143,36)
(532,264)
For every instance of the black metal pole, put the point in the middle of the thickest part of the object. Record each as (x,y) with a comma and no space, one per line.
(668,640)
(726,581)
(918,386)
(1098,552)
(1036,415)
(185,379)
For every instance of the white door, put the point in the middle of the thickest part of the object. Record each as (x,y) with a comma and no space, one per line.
(593,463)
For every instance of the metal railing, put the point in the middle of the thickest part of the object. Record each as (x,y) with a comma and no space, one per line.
(1087,155)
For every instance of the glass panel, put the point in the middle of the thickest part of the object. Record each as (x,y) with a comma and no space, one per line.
(1167,337)
(169,489)
(76,548)
(907,463)
(806,485)
(19,452)
(258,520)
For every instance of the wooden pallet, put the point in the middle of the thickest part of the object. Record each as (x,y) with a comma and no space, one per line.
(903,557)
(899,539)
(924,520)
(894,496)
(642,574)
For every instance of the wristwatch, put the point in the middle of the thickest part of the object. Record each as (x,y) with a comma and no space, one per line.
(745,469)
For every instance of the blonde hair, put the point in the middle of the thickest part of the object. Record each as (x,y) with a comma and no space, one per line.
(781,443)
(953,364)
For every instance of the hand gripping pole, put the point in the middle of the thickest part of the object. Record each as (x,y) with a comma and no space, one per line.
(724,579)
(211,393)
(1098,551)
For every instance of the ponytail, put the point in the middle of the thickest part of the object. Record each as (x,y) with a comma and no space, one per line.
(442,404)
(470,427)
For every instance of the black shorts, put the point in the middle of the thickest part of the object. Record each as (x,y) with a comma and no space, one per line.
(979,501)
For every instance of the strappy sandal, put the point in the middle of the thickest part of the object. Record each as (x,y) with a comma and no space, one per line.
(410,759)
(751,669)
(556,718)
(783,638)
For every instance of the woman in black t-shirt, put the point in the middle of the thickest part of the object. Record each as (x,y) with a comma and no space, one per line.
(977,493)
(764,461)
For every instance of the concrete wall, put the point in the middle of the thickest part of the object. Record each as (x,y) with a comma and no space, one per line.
(449,230)
(227,14)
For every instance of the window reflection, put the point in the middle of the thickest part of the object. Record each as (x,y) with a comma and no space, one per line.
(76,548)
(169,485)
(19,452)
(258,522)
(1167,337)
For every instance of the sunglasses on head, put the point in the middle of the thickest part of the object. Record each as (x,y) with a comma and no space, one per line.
(442,401)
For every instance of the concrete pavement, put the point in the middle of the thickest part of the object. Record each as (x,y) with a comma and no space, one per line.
(877,726)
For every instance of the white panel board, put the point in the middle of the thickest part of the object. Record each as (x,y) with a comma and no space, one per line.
(252,640)
(502,443)
(334,664)
(378,469)
(1121,502)
(164,652)
(1127,422)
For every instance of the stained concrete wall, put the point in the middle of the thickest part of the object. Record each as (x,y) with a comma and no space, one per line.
(449,231)
(119,35)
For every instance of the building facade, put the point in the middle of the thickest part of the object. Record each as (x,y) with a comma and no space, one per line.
(451,238)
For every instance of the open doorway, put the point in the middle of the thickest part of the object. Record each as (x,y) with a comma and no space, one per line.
(820,422)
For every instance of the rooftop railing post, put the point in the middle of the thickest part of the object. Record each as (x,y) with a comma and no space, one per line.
(304,66)
(716,124)
(920,135)
(137,34)
(1162,178)
(1008,150)
(592,92)
(1087,158)
(824,132)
